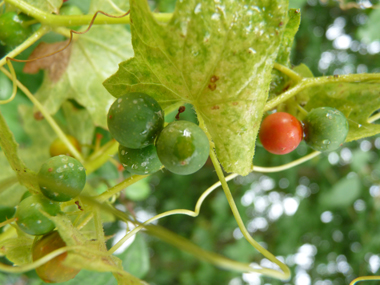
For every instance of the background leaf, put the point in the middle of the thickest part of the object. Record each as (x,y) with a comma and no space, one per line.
(94,56)
(342,194)
(51,6)
(136,258)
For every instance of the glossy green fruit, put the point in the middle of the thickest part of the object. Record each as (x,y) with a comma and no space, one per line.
(29,217)
(183,147)
(52,271)
(13,30)
(135,120)
(142,161)
(57,147)
(325,128)
(61,178)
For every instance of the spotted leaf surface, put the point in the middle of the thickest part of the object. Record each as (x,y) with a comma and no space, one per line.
(216,55)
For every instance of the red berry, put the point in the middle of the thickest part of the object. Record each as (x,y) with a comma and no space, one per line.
(280,133)
(52,271)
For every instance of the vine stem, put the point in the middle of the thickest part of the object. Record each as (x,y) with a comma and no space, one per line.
(27,43)
(101,156)
(286,166)
(205,194)
(287,71)
(58,20)
(47,116)
(364,278)
(310,82)
(285,274)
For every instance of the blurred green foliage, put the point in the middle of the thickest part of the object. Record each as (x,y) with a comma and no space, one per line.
(320,217)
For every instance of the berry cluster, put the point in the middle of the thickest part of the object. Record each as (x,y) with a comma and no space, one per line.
(323,129)
(61,178)
(136,121)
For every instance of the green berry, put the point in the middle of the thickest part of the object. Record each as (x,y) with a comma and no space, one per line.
(30,218)
(142,161)
(325,129)
(183,147)
(135,120)
(61,178)
(13,30)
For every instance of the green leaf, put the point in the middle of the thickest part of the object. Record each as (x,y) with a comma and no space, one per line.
(369,32)
(217,56)
(41,134)
(342,194)
(93,278)
(51,6)
(291,29)
(136,258)
(9,146)
(114,7)
(279,80)
(17,250)
(93,58)
(79,124)
(357,101)
(138,191)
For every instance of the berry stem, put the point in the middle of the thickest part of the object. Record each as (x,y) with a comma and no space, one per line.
(47,116)
(287,71)
(27,43)
(101,156)
(75,20)
(310,82)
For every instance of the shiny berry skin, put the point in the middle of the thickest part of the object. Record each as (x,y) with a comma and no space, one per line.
(57,147)
(142,161)
(13,30)
(31,220)
(61,178)
(325,129)
(183,147)
(280,133)
(135,120)
(52,271)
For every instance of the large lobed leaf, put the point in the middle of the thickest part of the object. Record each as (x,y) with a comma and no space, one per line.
(216,55)
(46,5)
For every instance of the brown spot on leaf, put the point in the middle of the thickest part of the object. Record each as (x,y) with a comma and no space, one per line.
(55,64)
(281,23)
(38,116)
(212,86)
(235,103)
(214,78)
(297,11)
(336,75)
(50,169)
(216,107)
